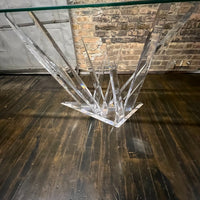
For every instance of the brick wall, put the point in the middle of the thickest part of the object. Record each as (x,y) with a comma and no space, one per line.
(119,33)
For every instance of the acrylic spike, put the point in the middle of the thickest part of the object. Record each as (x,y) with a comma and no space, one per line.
(116,103)
(106,119)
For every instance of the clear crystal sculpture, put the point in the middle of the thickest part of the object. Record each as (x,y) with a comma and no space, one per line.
(116,103)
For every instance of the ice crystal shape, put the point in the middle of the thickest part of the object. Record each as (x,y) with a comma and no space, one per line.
(117,103)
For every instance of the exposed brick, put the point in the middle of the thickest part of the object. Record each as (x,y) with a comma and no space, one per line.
(128,40)
(103,18)
(173,52)
(76,27)
(85,33)
(87,26)
(191,51)
(143,10)
(132,18)
(101,34)
(123,26)
(156,62)
(195,62)
(109,11)
(164,62)
(174,45)
(129,11)
(196,57)
(182,56)
(132,33)
(165,6)
(188,46)
(143,26)
(161,57)
(84,19)
(196,46)
(130,57)
(121,33)
(91,40)
(126,28)
(106,27)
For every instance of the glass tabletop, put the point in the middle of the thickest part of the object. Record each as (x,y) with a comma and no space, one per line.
(76,6)
(107,38)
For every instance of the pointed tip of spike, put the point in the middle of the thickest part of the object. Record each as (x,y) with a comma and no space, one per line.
(86,110)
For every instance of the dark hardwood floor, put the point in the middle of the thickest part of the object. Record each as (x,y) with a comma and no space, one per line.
(51,152)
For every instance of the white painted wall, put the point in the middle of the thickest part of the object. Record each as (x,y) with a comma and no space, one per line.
(13,53)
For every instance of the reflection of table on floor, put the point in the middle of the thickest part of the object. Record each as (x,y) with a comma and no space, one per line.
(49,153)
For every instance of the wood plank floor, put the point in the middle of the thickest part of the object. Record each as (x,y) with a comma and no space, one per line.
(51,152)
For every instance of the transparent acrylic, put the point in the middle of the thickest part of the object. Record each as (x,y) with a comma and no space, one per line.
(115,103)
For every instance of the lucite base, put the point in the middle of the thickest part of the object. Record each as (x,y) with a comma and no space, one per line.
(108,118)
(103,97)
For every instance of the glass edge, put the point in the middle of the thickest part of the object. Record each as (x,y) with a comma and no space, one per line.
(76,6)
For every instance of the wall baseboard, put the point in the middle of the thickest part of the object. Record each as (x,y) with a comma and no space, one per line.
(43,71)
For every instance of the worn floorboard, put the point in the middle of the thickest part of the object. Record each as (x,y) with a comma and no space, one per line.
(51,152)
